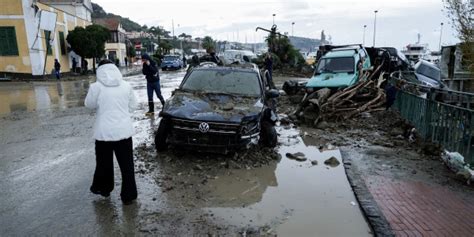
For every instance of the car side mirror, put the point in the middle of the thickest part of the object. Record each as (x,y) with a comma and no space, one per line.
(272,93)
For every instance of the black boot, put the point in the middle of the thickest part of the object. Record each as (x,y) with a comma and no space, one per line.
(151,108)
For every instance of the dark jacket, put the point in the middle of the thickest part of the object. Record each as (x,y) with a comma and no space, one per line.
(151,72)
(269,64)
(57,66)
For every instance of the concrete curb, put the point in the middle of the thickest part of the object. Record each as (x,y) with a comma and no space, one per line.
(371,210)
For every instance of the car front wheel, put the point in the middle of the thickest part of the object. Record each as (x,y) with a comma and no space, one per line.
(268,134)
(161,135)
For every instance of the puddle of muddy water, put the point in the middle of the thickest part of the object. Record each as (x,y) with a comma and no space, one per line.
(61,95)
(292,198)
(42,96)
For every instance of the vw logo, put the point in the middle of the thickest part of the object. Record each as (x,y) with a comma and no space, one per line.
(204,127)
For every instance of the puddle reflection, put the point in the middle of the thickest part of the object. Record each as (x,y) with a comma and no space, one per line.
(39,96)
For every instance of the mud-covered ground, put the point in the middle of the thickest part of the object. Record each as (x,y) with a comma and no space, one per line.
(47,162)
(381,143)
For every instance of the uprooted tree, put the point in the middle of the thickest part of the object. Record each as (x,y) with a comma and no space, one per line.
(88,42)
(283,52)
(461,14)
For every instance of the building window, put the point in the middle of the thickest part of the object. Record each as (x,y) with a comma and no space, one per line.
(47,37)
(62,43)
(8,44)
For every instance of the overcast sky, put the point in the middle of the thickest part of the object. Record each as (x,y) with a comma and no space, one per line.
(398,22)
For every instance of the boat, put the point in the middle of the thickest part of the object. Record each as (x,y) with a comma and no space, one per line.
(416,51)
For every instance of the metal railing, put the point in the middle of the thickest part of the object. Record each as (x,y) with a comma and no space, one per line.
(448,124)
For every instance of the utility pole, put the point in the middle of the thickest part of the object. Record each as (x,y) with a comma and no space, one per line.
(375,26)
(292,26)
(363,37)
(440,36)
(172,24)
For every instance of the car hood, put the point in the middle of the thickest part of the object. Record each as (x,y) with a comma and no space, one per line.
(212,107)
(332,80)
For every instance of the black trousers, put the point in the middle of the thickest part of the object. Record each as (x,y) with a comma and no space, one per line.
(104,172)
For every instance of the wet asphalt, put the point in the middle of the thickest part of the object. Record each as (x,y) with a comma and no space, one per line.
(47,162)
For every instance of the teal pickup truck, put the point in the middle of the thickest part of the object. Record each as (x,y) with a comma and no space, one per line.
(339,68)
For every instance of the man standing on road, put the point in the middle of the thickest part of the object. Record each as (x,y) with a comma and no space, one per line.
(150,70)
(269,68)
(57,68)
(115,101)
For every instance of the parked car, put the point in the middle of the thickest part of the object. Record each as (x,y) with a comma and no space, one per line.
(219,108)
(171,62)
(339,68)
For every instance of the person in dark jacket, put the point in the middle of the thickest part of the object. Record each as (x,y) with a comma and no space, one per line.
(150,70)
(57,68)
(269,68)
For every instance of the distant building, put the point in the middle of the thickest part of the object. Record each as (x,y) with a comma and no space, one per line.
(23,43)
(116,47)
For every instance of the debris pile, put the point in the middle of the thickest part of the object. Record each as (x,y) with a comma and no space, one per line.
(322,105)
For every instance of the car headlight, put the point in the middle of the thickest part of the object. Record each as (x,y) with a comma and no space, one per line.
(249,128)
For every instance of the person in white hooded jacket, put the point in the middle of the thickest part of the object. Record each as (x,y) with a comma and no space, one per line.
(114,100)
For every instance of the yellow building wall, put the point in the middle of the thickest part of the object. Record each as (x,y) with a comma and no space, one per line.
(20,63)
(11,7)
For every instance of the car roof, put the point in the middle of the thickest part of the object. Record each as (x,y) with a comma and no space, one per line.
(340,53)
(426,63)
(247,67)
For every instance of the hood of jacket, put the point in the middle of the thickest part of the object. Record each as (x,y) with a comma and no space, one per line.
(109,75)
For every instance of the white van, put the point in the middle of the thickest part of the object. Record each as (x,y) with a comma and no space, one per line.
(231,56)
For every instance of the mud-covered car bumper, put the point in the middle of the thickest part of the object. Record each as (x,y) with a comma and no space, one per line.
(227,136)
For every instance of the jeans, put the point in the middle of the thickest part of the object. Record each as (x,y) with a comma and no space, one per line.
(56,72)
(104,172)
(154,86)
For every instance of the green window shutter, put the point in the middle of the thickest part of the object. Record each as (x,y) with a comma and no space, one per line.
(8,43)
(62,42)
(47,38)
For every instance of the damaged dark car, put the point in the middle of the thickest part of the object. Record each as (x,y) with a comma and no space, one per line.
(219,109)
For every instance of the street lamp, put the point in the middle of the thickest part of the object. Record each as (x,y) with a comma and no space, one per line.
(440,36)
(292,26)
(274,18)
(363,37)
(375,26)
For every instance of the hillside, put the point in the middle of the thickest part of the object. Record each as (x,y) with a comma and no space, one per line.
(305,44)
(127,24)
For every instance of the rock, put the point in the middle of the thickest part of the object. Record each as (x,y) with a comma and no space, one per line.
(463,175)
(413,172)
(322,125)
(332,161)
(198,167)
(314,162)
(296,156)
(285,121)
(396,131)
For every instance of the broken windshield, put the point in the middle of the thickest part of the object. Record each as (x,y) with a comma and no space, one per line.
(335,65)
(223,81)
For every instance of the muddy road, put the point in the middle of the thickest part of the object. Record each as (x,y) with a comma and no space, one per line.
(47,161)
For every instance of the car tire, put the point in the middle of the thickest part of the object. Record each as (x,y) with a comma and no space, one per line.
(268,134)
(161,135)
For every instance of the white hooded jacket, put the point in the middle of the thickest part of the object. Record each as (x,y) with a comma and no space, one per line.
(115,101)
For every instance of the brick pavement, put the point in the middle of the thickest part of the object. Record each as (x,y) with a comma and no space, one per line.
(418,209)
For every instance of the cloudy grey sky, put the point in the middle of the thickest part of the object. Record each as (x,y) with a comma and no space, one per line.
(398,22)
